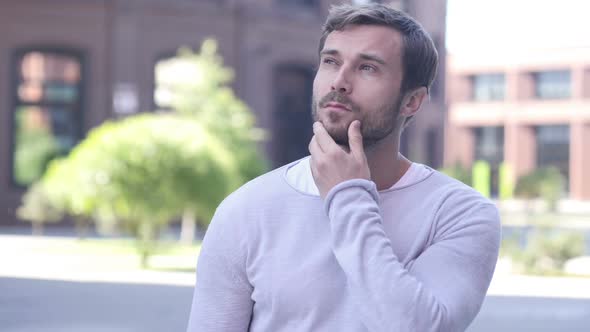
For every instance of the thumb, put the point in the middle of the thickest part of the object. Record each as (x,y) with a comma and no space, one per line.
(355,138)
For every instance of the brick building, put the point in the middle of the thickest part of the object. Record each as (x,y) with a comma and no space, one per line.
(528,109)
(68,65)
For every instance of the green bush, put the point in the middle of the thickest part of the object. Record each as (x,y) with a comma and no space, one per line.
(546,251)
(37,207)
(546,183)
(458,172)
(141,172)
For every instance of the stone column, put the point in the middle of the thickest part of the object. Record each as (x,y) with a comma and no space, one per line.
(578,84)
(459,145)
(520,149)
(579,161)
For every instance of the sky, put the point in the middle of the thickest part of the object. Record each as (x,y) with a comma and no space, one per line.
(494,25)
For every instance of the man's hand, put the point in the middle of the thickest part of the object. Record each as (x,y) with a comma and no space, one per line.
(332,164)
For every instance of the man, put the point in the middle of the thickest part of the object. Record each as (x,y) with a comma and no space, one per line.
(355,237)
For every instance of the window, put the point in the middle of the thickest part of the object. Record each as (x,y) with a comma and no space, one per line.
(47,109)
(552,84)
(489,146)
(553,147)
(292,121)
(488,87)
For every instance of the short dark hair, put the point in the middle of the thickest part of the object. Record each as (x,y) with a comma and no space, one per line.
(419,55)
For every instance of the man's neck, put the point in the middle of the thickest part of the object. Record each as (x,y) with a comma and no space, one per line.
(387,165)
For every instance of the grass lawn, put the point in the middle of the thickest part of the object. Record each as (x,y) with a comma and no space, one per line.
(104,255)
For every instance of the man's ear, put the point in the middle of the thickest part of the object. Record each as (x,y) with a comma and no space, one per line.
(412,101)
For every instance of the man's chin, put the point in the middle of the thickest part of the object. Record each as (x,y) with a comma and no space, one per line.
(339,136)
(342,142)
(338,131)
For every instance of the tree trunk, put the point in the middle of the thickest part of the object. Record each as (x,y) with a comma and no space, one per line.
(81,224)
(37,228)
(529,211)
(187,229)
(145,256)
(146,240)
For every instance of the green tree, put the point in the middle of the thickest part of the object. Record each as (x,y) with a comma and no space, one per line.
(73,186)
(143,171)
(37,208)
(140,172)
(196,84)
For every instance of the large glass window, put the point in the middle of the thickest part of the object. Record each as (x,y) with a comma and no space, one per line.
(553,148)
(552,84)
(489,87)
(47,110)
(292,121)
(489,147)
(489,144)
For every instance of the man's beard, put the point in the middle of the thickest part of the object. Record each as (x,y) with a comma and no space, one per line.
(375,124)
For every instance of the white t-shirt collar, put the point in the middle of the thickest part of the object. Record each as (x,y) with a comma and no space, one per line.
(299,176)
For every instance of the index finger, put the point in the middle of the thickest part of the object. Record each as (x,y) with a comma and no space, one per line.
(355,138)
(324,140)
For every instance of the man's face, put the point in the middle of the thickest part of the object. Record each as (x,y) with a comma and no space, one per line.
(359,77)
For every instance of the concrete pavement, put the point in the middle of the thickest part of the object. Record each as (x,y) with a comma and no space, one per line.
(33,305)
(534,314)
(37,294)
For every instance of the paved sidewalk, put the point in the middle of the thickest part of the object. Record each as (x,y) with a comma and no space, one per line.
(34,305)
(17,264)
(43,292)
(69,293)
(20,260)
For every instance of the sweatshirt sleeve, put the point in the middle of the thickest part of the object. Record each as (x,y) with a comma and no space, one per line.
(222,295)
(441,290)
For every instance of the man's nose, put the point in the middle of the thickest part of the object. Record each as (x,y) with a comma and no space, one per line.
(342,83)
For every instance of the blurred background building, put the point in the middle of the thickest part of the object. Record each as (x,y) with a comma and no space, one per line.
(518,78)
(527,109)
(66,66)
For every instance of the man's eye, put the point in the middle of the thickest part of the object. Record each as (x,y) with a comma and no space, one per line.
(329,61)
(368,68)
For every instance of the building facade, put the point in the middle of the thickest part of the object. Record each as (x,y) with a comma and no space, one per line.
(68,65)
(529,110)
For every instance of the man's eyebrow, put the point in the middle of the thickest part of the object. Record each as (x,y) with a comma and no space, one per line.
(364,56)
(329,52)
(372,57)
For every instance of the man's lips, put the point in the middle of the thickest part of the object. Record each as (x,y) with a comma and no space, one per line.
(337,106)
